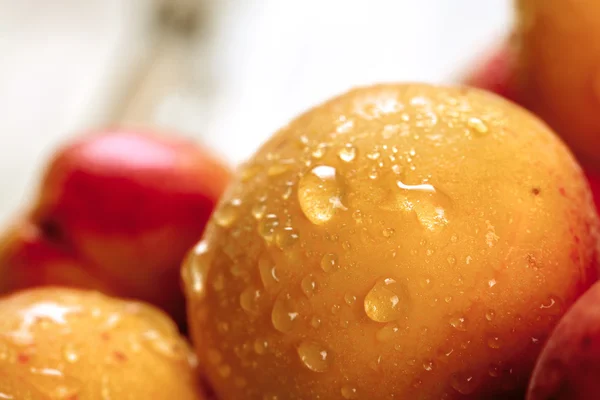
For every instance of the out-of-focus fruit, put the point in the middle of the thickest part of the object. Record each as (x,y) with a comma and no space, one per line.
(558,68)
(71,344)
(404,241)
(494,73)
(570,361)
(117,212)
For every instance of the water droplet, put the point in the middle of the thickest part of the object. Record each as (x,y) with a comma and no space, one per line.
(373,155)
(280,167)
(259,210)
(329,262)
(448,299)
(227,213)
(315,322)
(397,169)
(552,306)
(454,238)
(464,382)
(286,313)
(319,151)
(373,174)
(494,342)
(335,308)
(267,227)
(70,353)
(459,323)
(491,283)
(387,333)
(349,298)
(314,355)
(196,268)
(430,205)
(477,125)
(428,365)
(309,285)
(494,370)
(260,346)
(425,282)
(349,392)
(287,237)
(387,301)
(268,272)
(320,194)
(250,300)
(451,260)
(347,153)
(388,232)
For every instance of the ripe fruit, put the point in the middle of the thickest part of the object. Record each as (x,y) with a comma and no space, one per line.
(71,344)
(116,212)
(405,241)
(569,364)
(558,68)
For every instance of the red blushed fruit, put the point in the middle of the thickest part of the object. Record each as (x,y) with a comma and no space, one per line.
(494,74)
(116,211)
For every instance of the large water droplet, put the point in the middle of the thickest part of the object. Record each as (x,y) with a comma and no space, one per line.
(286,313)
(315,356)
(320,194)
(268,226)
(329,262)
(387,301)
(309,285)
(430,204)
(268,272)
(286,237)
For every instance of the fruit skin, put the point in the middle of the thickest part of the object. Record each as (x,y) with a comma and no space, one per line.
(557,72)
(569,363)
(116,211)
(82,345)
(475,210)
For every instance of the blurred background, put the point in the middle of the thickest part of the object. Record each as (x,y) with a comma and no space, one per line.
(227,72)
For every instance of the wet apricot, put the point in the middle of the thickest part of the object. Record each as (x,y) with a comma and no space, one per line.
(398,241)
(67,344)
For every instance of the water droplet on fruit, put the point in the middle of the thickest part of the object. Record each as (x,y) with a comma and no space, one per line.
(70,354)
(286,237)
(268,272)
(227,213)
(196,268)
(388,232)
(250,300)
(315,322)
(451,260)
(459,323)
(319,152)
(259,210)
(349,298)
(320,194)
(349,392)
(494,342)
(387,333)
(309,285)
(430,205)
(267,227)
(464,382)
(347,153)
(286,313)
(552,306)
(425,282)
(279,167)
(260,346)
(490,314)
(387,301)
(329,262)
(478,126)
(314,355)
(428,365)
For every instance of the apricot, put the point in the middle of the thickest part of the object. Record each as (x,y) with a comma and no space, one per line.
(116,211)
(71,344)
(399,241)
(557,72)
(569,364)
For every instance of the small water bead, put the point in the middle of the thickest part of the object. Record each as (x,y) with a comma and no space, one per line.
(494,342)
(227,213)
(428,365)
(459,323)
(320,194)
(454,238)
(388,232)
(329,262)
(70,354)
(268,272)
(286,313)
(373,174)
(347,153)
(309,285)
(315,321)
(478,126)
(320,151)
(387,301)
(260,346)
(280,167)
(464,382)
(448,299)
(451,260)
(387,333)
(258,210)
(250,300)
(314,356)
(286,237)
(268,226)
(425,282)
(335,308)
(350,299)
(428,203)
(349,392)
(397,169)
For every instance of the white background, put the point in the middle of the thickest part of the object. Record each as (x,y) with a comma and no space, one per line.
(258,64)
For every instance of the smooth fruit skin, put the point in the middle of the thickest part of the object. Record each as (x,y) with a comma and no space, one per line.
(568,366)
(401,240)
(557,72)
(69,344)
(116,211)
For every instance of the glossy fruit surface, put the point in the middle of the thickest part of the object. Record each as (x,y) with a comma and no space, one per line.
(405,241)
(76,345)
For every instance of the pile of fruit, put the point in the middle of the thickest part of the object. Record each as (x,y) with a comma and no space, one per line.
(399,241)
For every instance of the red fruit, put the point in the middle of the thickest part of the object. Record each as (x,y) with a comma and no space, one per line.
(116,211)
(494,73)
